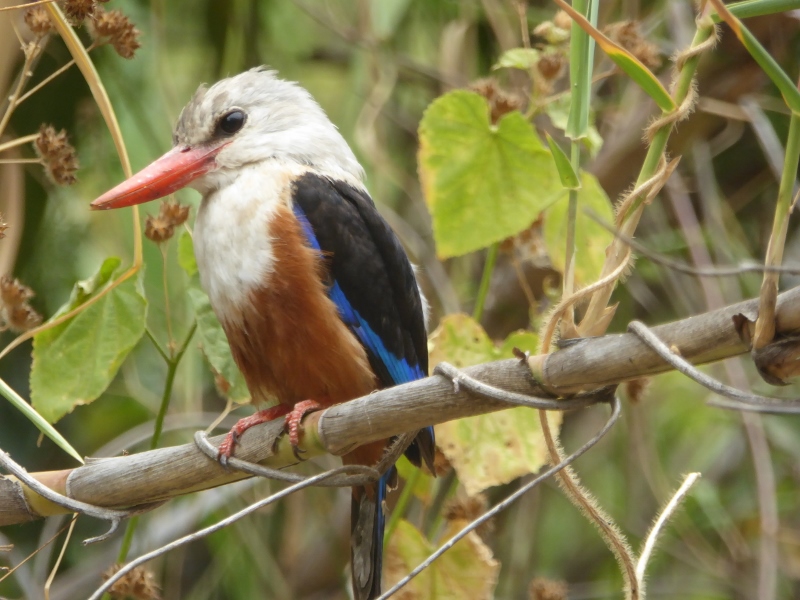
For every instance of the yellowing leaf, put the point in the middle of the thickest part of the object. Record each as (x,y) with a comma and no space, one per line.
(482,182)
(74,362)
(592,238)
(467,570)
(496,448)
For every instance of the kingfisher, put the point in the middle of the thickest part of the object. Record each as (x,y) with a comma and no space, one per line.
(318,299)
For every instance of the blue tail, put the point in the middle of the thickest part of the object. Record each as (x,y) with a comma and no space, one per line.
(368,522)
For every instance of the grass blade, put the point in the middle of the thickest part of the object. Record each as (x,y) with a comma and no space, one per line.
(41,423)
(626,61)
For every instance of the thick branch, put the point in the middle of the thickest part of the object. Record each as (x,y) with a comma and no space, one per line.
(584,364)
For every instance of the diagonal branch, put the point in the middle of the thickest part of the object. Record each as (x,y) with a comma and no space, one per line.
(584,364)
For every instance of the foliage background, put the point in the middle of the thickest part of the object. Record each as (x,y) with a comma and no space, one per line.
(375,66)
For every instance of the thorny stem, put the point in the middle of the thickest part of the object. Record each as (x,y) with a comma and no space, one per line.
(483,290)
(616,250)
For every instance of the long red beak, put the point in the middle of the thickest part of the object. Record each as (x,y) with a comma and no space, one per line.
(173,171)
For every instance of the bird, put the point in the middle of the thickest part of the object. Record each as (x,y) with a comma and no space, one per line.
(316,295)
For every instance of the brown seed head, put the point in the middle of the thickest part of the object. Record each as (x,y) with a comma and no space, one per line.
(38,21)
(551,66)
(120,31)
(628,35)
(547,589)
(138,584)
(14,293)
(15,313)
(21,318)
(174,213)
(500,101)
(77,10)
(59,157)
(158,229)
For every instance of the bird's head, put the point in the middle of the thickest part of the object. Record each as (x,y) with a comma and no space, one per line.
(237,122)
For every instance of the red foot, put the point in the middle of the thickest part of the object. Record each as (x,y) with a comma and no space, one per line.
(300,410)
(225,450)
(294,416)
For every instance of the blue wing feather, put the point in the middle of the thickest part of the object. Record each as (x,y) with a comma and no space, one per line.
(399,368)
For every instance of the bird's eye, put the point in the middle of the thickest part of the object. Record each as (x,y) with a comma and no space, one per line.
(231,122)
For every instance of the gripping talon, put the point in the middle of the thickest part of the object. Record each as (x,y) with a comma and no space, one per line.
(293,419)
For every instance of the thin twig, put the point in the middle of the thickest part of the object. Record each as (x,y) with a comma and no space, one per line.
(482,390)
(26,5)
(365,474)
(20,161)
(744,400)
(492,512)
(682,267)
(20,141)
(218,526)
(60,557)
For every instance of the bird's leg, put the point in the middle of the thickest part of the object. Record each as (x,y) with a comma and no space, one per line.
(227,446)
(300,410)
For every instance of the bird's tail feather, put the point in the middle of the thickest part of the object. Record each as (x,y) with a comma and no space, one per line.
(367,526)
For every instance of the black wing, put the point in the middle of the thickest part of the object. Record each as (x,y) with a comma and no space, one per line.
(372,281)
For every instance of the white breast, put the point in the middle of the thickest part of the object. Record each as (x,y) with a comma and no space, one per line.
(233,249)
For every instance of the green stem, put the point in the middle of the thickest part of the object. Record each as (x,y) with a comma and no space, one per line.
(618,249)
(483,290)
(572,217)
(172,368)
(158,346)
(401,506)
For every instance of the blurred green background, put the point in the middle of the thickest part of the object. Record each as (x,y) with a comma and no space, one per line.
(374,66)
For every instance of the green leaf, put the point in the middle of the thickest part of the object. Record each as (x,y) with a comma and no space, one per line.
(467,570)
(518,58)
(38,420)
(74,362)
(592,239)
(483,182)
(756,8)
(186,257)
(559,110)
(215,345)
(569,179)
(789,91)
(496,448)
